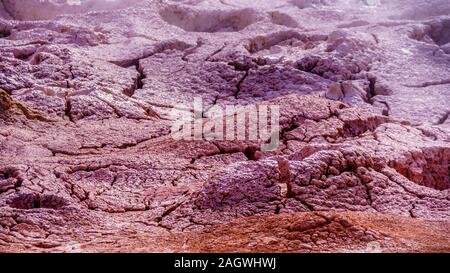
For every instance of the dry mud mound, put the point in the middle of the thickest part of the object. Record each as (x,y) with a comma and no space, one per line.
(88,161)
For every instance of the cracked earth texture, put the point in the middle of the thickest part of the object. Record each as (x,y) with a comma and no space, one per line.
(87,162)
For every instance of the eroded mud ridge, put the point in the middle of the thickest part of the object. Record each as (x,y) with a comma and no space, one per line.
(88,162)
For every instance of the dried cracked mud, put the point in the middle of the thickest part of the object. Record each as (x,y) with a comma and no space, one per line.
(88,162)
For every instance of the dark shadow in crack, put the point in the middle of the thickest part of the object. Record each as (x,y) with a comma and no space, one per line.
(35,201)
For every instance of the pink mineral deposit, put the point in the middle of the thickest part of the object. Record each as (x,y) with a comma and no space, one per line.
(88,161)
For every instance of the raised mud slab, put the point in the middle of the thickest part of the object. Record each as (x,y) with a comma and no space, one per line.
(88,162)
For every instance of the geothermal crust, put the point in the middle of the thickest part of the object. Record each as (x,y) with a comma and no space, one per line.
(88,161)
